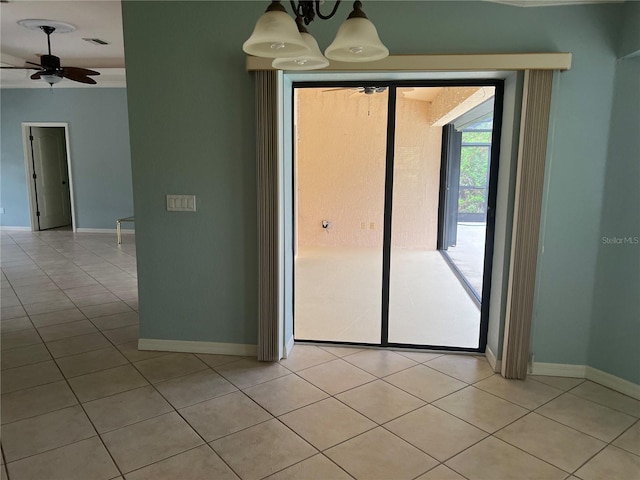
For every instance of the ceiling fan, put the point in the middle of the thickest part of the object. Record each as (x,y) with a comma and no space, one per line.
(370,90)
(50,70)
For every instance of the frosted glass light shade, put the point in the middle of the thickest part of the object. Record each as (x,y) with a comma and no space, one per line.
(51,79)
(357,41)
(275,36)
(308,61)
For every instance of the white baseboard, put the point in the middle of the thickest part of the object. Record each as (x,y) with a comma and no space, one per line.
(495,364)
(288,347)
(198,347)
(615,383)
(16,229)
(583,371)
(105,230)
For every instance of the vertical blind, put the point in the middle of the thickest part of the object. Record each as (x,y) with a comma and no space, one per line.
(267,173)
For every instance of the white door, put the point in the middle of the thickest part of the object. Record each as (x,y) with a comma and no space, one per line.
(51,180)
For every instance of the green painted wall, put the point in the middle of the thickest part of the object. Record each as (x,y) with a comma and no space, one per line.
(615,330)
(99,148)
(192,131)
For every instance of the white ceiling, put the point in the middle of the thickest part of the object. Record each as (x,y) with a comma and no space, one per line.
(92,19)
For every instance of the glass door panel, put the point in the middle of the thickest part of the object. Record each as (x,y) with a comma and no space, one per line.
(428,305)
(339,184)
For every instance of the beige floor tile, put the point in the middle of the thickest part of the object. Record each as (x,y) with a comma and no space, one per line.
(15,311)
(46,307)
(468,368)
(425,383)
(493,459)
(87,459)
(105,309)
(480,409)
(318,467)
(562,383)
(305,356)
(78,292)
(29,376)
(45,432)
(380,362)
(248,372)
(56,318)
(336,376)
(262,450)
(435,432)
(170,366)
(607,397)
(15,324)
(75,345)
(441,472)
(42,296)
(130,350)
(380,401)
(3,472)
(122,409)
(611,463)
(149,441)
(526,393)
(216,360)
(380,455)
(340,351)
(95,299)
(194,388)
(550,441)
(200,463)
(418,356)
(588,417)
(19,357)
(66,330)
(311,423)
(21,338)
(119,320)
(630,440)
(36,401)
(89,362)
(224,415)
(107,382)
(123,334)
(285,394)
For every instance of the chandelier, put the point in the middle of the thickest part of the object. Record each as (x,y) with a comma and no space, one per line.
(276,35)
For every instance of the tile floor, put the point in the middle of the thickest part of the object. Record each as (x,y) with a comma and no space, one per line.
(79,401)
(337,298)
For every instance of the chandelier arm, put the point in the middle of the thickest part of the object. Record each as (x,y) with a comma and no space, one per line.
(333,12)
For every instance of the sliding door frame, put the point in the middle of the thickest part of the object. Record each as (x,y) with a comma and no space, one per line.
(388,200)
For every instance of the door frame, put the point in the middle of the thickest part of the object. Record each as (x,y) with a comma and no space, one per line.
(28,167)
(481,79)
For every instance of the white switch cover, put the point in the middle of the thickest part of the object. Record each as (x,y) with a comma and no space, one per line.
(181,203)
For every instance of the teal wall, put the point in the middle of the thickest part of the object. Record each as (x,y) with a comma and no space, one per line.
(99,149)
(198,272)
(615,330)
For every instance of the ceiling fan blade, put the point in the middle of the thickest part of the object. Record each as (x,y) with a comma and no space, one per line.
(20,68)
(80,71)
(336,89)
(77,77)
(36,64)
(35,76)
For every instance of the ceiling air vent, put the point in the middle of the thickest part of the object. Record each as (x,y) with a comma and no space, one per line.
(96,41)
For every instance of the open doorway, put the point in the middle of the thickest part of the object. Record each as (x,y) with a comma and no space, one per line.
(49,181)
(368,267)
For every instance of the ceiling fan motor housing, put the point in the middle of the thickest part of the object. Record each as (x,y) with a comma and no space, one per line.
(50,62)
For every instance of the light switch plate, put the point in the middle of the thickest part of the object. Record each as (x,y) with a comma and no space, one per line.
(181,203)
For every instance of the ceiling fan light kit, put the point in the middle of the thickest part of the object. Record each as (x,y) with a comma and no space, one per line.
(49,68)
(357,39)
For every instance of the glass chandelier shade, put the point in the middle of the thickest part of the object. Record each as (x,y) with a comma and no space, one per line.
(357,40)
(312,60)
(275,35)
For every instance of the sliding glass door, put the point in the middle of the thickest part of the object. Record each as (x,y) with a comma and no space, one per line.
(372,213)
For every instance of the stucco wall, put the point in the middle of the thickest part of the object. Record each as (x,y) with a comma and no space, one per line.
(340,169)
